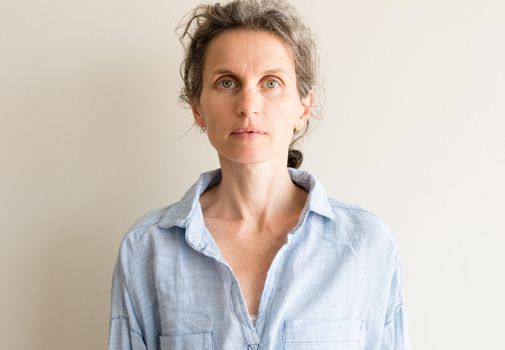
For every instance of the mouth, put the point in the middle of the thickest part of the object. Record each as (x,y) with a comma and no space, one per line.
(248,131)
(248,134)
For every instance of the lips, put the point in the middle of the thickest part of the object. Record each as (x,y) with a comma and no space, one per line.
(248,131)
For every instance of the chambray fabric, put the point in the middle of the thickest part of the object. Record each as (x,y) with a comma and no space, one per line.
(335,284)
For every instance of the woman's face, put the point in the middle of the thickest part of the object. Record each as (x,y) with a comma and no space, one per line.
(249,100)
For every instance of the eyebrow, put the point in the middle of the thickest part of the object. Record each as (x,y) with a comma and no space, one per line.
(225,71)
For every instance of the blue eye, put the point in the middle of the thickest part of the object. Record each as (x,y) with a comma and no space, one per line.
(226,83)
(272,84)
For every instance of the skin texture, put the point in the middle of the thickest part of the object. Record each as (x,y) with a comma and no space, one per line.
(249,83)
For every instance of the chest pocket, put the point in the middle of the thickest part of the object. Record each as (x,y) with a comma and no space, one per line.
(191,341)
(322,334)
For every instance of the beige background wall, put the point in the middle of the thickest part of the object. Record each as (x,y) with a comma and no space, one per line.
(92,137)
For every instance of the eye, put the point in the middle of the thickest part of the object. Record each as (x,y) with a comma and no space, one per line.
(226,83)
(272,84)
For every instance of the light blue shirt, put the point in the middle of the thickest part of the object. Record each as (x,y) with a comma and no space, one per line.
(335,283)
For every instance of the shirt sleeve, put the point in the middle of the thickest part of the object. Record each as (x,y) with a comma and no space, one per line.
(396,334)
(124,329)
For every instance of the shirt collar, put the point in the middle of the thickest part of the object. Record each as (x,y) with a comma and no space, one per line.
(181,213)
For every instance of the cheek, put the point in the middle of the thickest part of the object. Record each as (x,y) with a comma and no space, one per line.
(212,108)
(288,101)
(286,113)
(283,127)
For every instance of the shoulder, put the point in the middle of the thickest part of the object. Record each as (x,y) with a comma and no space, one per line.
(152,217)
(363,229)
(140,238)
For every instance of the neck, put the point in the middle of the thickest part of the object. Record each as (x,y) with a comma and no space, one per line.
(255,193)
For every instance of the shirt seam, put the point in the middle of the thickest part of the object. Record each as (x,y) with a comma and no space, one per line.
(127,289)
(352,208)
(130,328)
(235,307)
(269,303)
(394,310)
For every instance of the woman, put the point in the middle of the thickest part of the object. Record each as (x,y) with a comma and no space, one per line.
(255,255)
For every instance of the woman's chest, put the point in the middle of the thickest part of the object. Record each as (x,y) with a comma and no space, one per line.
(250,260)
(316,294)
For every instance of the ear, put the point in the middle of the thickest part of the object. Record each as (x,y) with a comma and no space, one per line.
(197,115)
(307,102)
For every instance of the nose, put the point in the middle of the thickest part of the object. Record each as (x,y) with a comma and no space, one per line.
(248,102)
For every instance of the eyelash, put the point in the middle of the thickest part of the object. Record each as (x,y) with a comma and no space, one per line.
(220,83)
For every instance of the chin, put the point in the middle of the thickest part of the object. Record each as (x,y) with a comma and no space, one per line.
(246,159)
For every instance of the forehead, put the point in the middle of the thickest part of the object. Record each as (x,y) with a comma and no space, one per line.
(240,50)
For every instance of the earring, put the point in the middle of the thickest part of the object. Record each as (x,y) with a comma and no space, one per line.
(204,128)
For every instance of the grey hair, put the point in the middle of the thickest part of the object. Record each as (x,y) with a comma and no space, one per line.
(205,22)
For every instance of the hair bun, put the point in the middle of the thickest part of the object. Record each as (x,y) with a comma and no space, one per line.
(295,158)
